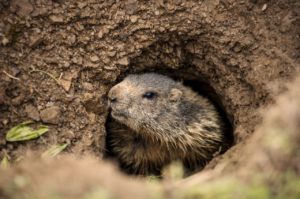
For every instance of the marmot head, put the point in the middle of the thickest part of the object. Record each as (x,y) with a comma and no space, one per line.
(143,100)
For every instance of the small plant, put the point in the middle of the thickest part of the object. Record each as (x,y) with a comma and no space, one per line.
(23,132)
(5,161)
(54,150)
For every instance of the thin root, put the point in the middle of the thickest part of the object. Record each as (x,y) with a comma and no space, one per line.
(11,76)
(44,72)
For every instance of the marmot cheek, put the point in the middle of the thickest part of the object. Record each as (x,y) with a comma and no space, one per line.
(132,112)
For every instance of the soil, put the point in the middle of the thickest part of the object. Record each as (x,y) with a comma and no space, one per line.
(58,60)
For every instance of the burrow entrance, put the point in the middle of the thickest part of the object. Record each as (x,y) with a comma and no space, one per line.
(172,59)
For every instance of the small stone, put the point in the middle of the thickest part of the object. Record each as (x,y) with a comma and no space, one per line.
(66,84)
(131,6)
(52,60)
(78,26)
(143,37)
(69,134)
(23,8)
(5,122)
(86,12)
(66,80)
(88,96)
(133,18)
(32,112)
(92,118)
(111,53)
(105,60)
(77,60)
(124,61)
(56,19)
(264,7)
(113,67)
(173,29)
(40,12)
(162,29)
(100,34)
(177,2)
(87,86)
(51,115)
(94,58)
(88,64)
(35,40)
(66,64)
(81,4)
(4,41)
(72,39)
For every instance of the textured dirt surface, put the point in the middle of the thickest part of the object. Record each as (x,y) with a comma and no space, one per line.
(268,167)
(244,51)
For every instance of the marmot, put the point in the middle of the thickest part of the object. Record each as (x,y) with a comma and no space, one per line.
(159,121)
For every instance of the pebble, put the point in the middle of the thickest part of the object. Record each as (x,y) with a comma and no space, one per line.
(51,115)
(100,34)
(32,112)
(35,40)
(133,18)
(264,7)
(131,6)
(87,86)
(23,8)
(72,39)
(81,4)
(94,58)
(111,53)
(56,19)
(66,84)
(124,61)
(5,122)
(4,41)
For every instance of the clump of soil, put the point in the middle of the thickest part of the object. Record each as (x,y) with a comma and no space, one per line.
(69,178)
(58,59)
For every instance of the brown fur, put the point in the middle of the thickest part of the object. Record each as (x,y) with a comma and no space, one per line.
(175,124)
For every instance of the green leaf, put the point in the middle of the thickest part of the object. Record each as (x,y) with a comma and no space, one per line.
(54,150)
(23,132)
(5,161)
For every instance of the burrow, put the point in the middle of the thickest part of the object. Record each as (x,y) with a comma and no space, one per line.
(191,62)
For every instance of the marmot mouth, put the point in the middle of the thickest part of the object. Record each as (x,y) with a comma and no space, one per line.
(118,115)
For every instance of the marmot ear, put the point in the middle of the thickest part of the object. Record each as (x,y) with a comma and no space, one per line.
(175,95)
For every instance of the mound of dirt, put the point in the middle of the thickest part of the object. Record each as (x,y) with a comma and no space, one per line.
(69,178)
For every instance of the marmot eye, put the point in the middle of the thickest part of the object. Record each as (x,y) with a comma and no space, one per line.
(149,95)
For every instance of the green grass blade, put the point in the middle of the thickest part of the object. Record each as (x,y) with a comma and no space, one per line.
(23,132)
(5,161)
(54,150)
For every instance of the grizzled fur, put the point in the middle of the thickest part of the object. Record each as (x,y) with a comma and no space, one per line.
(158,120)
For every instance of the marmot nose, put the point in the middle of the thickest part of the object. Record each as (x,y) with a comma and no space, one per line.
(112,99)
(112,95)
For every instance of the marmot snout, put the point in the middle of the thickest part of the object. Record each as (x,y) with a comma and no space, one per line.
(159,121)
